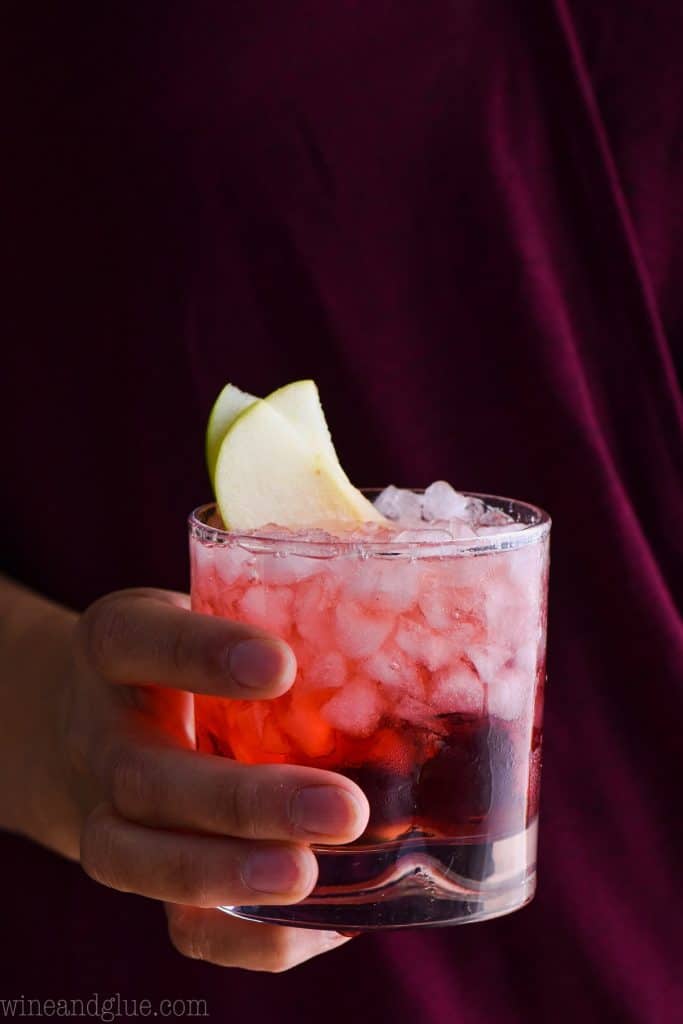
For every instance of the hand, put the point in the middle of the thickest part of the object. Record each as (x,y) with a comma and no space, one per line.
(193,830)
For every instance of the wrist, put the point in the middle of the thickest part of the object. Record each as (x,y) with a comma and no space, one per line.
(37,797)
(58,802)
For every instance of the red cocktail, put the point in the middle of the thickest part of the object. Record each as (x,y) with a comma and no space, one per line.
(421,663)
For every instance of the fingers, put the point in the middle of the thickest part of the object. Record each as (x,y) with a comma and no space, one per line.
(220,939)
(170,788)
(149,636)
(202,871)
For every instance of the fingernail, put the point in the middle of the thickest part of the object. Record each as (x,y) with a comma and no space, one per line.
(273,871)
(258,664)
(325,810)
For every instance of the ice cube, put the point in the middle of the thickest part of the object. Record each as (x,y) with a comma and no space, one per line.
(267,607)
(205,588)
(468,571)
(424,646)
(359,633)
(326,670)
(494,521)
(410,709)
(356,708)
(303,723)
(512,612)
(475,510)
(424,536)
(234,563)
(526,565)
(203,558)
(435,604)
(441,501)
(391,584)
(489,660)
(460,530)
(457,690)
(398,585)
(312,610)
(509,684)
(509,695)
(401,504)
(454,611)
(394,671)
(287,568)
(526,659)
(252,606)
(494,517)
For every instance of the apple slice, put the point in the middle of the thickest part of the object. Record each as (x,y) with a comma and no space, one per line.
(268,471)
(298,402)
(227,407)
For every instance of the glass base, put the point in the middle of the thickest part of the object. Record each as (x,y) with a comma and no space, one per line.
(418,881)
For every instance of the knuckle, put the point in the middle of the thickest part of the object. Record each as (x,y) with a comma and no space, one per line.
(240,799)
(282,953)
(193,934)
(182,651)
(101,628)
(132,786)
(185,879)
(188,935)
(98,858)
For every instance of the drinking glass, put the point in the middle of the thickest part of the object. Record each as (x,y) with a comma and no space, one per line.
(421,670)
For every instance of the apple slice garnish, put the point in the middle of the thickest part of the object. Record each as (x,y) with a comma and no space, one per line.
(298,402)
(227,407)
(273,468)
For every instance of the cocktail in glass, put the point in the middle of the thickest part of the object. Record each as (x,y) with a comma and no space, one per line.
(421,669)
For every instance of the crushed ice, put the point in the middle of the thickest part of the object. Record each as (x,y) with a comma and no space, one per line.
(402,505)
(438,516)
(441,514)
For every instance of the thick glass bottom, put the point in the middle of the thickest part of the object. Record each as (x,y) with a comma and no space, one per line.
(417,881)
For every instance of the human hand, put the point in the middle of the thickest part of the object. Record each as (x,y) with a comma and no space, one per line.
(193,830)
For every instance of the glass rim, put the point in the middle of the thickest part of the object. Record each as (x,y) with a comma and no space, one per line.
(259,541)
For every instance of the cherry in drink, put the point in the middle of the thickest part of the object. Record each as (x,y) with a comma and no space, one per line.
(421,668)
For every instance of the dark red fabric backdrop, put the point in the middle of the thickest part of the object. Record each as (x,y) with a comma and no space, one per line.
(465,220)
